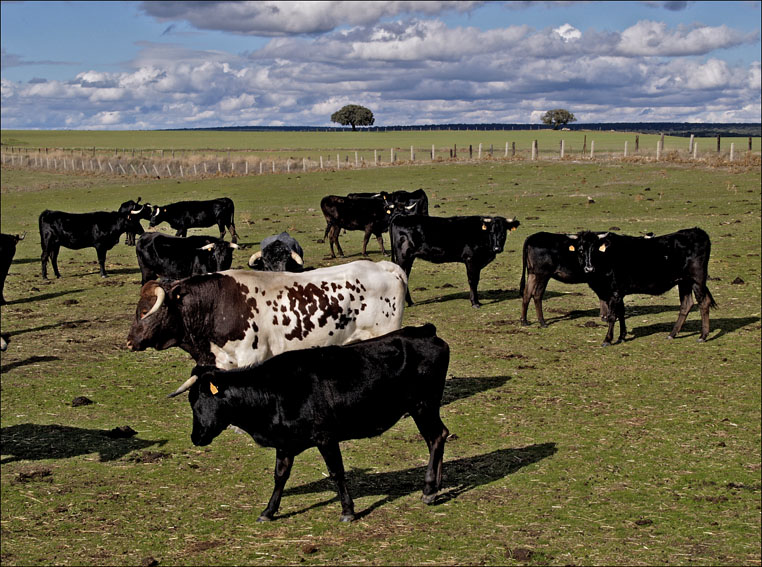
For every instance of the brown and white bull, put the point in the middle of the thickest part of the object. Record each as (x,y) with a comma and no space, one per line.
(237,318)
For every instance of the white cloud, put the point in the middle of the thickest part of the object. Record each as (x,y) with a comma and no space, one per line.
(654,38)
(568,32)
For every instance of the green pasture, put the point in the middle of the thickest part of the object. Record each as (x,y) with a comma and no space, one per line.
(562,452)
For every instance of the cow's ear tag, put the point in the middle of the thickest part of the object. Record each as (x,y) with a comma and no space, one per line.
(484,226)
(213,389)
(571,248)
(513,228)
(602,248)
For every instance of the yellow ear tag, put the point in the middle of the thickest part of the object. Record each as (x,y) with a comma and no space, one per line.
(213,389)
(571,248)
(602,248)
(513,228)
(484,227)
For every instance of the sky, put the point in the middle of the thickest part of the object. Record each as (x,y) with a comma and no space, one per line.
(160,65)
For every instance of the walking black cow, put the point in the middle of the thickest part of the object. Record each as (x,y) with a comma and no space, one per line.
(471,240)
(100,230)
(618,265)
(7,251)
(197,214)
(175,257)
(547,256)
(321,396)
(368,214)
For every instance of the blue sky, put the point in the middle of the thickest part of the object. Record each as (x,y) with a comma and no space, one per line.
(144,65)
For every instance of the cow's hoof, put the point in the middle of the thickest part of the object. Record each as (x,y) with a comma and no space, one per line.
(320,241)
(670,338)
(264,518)
(476,305)
(429,498)
(347,518)
(701,340)
(544,325)
(605,344)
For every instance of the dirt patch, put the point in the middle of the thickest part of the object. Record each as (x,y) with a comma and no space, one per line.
(149,457)
(33,475)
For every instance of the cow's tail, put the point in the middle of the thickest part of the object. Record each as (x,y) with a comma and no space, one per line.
(391,241)
(712,303)
(523,282)
(43,236)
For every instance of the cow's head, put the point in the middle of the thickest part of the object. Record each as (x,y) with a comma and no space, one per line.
(157,215)
(276,257)
(157,320)
(207,398)
(220,255)
(497,229)
(593,250)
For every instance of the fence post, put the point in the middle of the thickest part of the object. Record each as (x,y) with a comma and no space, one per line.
(718,143)
(625,148)
(321,162)
(658,150)
(480,151)
(732,150)
(584,144)
(433,152)
(695,149)
(412,154)
(592,149)
(391,154)
(562,149)
(357,164)
(375,157)
(304,164)
(690,144)
(506,150)
(534,150)
(273,166)
(637,144)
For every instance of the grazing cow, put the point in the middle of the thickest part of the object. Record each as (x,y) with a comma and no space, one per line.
(368,214)
(197,214)
(618,265)
(7,251)
(278,253)
(322,396)
(175,257)
(100,230)
(548,255)
(472,240)
(138,214)
(240,317)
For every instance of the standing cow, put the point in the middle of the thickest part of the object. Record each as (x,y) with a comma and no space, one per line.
(143,213)
(241,317)
(278,253)
(331,394)
(7,251)
(618,265)
(471,240)
(197,214)
(100,230)
(368,214)
(175,257)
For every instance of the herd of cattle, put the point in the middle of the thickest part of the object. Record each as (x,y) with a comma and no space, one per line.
(308,358)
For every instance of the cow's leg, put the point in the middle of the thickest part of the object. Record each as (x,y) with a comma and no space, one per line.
(102,260)
(435,433)
(537,295)
(44,259)
(182,232)
(334,237)
(622,327)
(526,297)
(686,303)
(332,457)
(365,239)
(705,302)
(611,319)
(473,272)
(380,239)
(603,310)
(233,233)
(407,265)
(283,464)
(327,230)
(55,249)
(221,226)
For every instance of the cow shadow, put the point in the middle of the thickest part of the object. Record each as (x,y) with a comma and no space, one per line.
(692,327)
(486,297)
(43,296)
(48,327)
(459,476)
(459,387)
(26,260)
(31,360)
(33,442)
(630,311)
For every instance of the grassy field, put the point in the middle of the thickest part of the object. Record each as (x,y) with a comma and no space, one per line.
(562,452)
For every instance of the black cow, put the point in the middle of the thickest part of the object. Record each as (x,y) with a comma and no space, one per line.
(175,257)
(414,202)
(100,230)
(321,396)
(368,214)
(278,253)
(618,265)
(548,255)
(7,251)
(197,214)
(472,240)
(138,214)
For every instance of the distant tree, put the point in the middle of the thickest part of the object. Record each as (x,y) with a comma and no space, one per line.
(353,115)
(557,117)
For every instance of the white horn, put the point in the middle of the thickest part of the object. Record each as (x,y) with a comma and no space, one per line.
(136,212)
(233,245)
(187,384)
(254,257)
(160,295)
(208,246)
(297,258)
(410,207)
(604,235)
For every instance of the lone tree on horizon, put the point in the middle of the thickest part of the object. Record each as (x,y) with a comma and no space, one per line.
(353,115)
(557,117)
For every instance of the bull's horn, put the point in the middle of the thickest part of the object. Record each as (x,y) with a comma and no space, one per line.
(572,236)
(512,219)
(136,212)
(297,258)
(254,257)
(233,245)
(487,219)
(410,207)
(22,237)
(160,295)
(187,384)
(208,246)
(604,235)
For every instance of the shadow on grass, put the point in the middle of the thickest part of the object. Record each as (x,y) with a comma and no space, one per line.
(485,297)
(31,442)
(67,324)
(459,476)
(31,360)
(459,387)
(43,296)
(692,327)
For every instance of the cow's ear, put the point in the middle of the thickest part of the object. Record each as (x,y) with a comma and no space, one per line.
(177,292)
